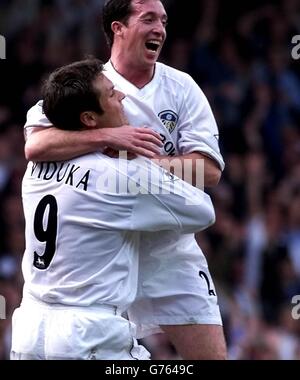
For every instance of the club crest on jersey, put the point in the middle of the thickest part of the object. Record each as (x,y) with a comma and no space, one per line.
(169,119)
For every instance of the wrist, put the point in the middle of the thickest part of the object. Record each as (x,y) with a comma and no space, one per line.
(98,139)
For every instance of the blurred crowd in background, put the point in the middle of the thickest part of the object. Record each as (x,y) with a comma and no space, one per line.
(240,55)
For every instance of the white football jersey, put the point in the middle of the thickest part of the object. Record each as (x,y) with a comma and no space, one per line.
(172,104)
(83,222)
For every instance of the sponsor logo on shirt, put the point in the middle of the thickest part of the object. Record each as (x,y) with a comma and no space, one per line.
(169,119)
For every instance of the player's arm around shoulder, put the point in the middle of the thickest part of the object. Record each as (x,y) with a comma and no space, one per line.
(44,142)
(53,144)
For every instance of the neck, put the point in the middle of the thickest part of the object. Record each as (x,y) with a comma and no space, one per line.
(134,73)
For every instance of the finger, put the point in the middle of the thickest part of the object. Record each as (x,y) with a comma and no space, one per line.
(146,149)
(151,138)
(148,131)
(149,152)
(149,146)
(145,153)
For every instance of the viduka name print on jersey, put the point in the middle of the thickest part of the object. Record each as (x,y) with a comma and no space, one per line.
(68,173)
(169,119)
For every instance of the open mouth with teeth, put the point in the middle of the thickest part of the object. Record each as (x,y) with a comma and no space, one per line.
(152,45)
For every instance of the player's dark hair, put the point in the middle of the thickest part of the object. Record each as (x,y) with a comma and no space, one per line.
(69,91)
(115,10)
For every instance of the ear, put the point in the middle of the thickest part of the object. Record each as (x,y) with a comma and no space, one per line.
(117,27)
(88,119)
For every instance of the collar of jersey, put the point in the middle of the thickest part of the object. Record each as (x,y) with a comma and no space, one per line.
(129,88)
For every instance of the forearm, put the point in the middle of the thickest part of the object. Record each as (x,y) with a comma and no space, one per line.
(194,168)
(52,144)
(48,144)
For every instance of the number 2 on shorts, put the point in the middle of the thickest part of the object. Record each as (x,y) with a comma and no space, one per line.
(211,292)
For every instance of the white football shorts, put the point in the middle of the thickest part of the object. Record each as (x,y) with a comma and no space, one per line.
(175,286)
(42,331)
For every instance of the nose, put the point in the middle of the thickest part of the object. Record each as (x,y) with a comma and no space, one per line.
(159,27)
(121,95)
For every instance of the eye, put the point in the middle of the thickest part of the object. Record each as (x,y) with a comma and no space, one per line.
(148,20)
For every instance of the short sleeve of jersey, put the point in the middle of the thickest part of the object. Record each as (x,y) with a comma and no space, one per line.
(36,117)
(198,130)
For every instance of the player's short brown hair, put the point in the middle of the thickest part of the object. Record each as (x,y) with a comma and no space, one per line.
(115,10)
(69,91)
